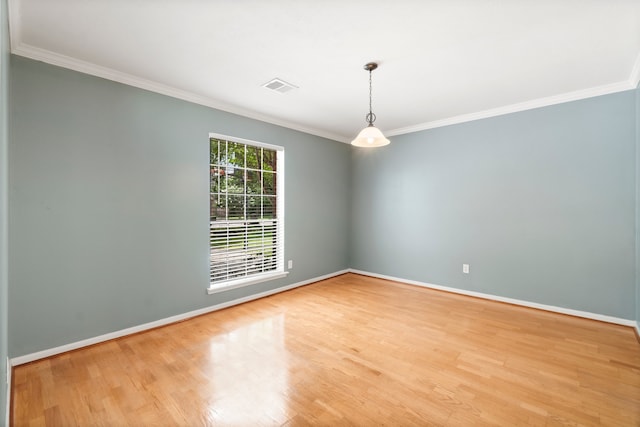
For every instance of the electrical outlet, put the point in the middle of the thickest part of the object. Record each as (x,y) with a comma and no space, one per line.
(465,268)
(290,264)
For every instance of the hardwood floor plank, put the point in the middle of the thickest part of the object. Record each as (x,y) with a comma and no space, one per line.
(351,350)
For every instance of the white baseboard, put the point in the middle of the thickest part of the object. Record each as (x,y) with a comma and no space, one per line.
(8,388)
(20,360)
(552,308)
(638,329)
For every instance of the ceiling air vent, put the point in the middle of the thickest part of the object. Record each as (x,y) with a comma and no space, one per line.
(279,85)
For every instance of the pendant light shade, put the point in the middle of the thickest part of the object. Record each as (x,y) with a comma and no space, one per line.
(370,136)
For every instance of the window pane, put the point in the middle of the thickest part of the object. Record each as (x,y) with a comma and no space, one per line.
(269,207)
(212,180)
(222,157)
(218,238)
(235,207)
(236,238)
(269,183)
(218,209)
(217,180)
(212,206)
(253,182)
(255,235)
(235,180)
(268,241)
(235,154)
(214,151)
(268,160)
(254,158)
(254,209)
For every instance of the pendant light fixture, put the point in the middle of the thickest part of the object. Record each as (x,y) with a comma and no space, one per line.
(370,136)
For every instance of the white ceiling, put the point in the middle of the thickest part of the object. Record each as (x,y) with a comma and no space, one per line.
(441,62)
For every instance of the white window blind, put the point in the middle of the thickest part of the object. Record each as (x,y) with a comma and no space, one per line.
(246,212)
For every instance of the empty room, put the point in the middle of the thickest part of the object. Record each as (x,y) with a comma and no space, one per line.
(289,213)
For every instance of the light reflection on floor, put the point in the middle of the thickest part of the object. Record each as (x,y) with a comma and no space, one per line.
(241,397)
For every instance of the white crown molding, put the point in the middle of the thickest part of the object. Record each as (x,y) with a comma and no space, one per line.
(545,307)
(514,108)
(15,29)
(32,52)
(64,61)
(634,78)
(27,358)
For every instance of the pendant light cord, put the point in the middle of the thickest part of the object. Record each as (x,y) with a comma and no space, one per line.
(370,117)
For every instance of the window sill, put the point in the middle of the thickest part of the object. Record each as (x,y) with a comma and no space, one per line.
(240,283)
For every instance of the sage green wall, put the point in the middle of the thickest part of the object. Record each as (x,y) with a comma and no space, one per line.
(4,79)
(637,112)
(540,203)
(109,205)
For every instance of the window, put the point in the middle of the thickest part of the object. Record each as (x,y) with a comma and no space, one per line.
(246,221)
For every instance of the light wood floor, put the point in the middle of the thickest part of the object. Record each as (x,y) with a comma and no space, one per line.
(346,351)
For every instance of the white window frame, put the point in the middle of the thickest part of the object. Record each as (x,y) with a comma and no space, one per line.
(279,272)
